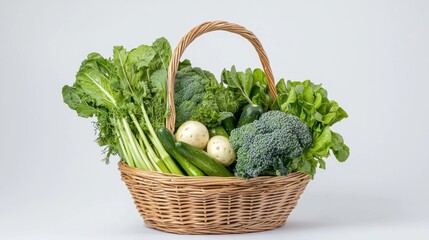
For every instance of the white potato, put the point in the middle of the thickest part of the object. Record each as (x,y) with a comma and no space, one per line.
(220,149)
(193,133)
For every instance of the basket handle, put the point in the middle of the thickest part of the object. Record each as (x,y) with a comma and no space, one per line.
(191,36)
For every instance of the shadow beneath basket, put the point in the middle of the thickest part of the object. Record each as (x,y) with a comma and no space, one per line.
(347,210)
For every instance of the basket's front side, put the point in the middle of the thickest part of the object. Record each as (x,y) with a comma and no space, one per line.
(208,205)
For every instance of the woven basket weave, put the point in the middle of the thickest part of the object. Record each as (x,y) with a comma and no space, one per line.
(213,205)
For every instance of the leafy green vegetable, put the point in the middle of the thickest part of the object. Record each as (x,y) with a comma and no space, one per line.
(310,103)
(248,87)
(127,95)
(199,97)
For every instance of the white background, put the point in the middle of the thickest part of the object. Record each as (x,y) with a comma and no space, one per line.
(372,56)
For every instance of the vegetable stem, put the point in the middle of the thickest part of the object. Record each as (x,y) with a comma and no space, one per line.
(124,153)
(169,162)
(158,163)
(139,159)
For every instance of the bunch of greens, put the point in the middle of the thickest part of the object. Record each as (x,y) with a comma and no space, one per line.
(248,87)
(127,95)
(310,103)
(199,97)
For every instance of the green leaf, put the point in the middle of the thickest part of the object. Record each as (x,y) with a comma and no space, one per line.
(281,87)
(340,150)
(308,95)
(247,82)
(226,101)
(318,117)
(340,115)
(322,163)
(259,76)
(342,154)
(163,52)
(158,81)
(98,87)
(337,141)
(70,97)
(317,101)
(240,82)
(120,56)
(300,90)
(333,106)
(292,96)
(140,57)
(86,111)
(328,118)
(74,100)
(322,143)
(185,66)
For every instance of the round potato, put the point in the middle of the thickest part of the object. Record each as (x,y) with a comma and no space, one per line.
(220,149)
(193,133)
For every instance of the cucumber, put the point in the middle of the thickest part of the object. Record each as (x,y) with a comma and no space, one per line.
(250,113)
(168,142)
(202,160)
(229,124)
(219,130)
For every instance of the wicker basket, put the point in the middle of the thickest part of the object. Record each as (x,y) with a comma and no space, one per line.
(213,205)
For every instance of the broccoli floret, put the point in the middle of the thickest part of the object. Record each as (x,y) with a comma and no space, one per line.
(185,109)
(265,145)
(195,97)
(188,87)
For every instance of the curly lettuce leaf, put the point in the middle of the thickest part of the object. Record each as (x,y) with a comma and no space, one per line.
(310,103)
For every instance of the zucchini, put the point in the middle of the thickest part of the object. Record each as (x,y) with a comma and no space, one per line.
(229,124)
(219,130)
(249,114)
(202,160)
(167,141)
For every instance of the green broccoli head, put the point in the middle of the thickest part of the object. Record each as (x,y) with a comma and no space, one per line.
(188,87)
(265,145)
(195,97)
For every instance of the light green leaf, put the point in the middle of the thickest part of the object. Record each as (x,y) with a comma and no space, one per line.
(259,76)
(328,118)
(158,82)
(308,95)
(86,111)
(120,56)
(163,52)
(317,101)
(281,87)
(139,57)
(322,163)
(340,115)
(98,87)
(322,143)
(318,116)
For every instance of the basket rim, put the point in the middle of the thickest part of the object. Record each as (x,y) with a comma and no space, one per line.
(206,180)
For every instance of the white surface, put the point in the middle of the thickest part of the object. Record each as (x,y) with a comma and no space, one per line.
(372,56)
